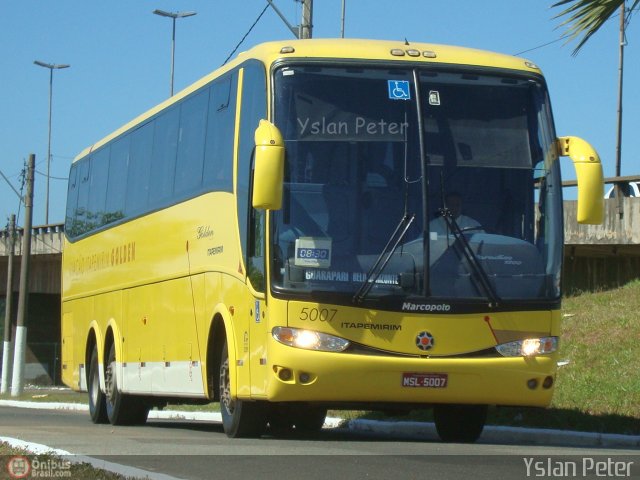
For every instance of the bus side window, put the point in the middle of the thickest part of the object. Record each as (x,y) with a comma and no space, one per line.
(218,154)
(98,188)
(191,144)
(81,220)
(165,148)
(139,171)
(255,270)
(254,108)
(116,188)
(72,201)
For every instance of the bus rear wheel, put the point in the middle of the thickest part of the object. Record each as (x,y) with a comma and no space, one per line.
(460,423)
(97,399)
(121,409)
(239,417)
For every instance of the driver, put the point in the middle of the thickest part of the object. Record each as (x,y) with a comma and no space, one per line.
(453,202)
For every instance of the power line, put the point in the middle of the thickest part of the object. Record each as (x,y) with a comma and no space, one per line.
(10,184)
(246,34)
(51,176)
(630,12)
(23,180)
(543,45)
(64,157)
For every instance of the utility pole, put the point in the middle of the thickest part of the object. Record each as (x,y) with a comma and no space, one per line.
(342,20)
(17,383)
(306,25)
(51,67)
(173,16)
(7,348)
(618,186)
(304,30)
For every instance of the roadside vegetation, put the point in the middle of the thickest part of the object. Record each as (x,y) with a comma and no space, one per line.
(79,471)
(601,340)
(598,390)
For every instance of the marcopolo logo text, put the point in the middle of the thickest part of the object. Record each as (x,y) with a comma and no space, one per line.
(425,307)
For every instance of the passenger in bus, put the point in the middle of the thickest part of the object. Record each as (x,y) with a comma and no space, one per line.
(453,203)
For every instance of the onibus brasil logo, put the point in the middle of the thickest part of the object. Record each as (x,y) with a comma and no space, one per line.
(20,466)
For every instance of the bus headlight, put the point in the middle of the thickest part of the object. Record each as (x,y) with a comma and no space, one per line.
(309,339)
(528,347)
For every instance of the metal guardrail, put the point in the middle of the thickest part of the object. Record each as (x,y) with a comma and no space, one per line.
(614,180)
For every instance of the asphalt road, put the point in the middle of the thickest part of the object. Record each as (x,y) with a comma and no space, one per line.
(200,450)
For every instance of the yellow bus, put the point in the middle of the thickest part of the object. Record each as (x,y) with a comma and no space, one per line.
(344,224)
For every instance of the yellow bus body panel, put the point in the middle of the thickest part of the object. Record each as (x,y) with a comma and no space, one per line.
(159,280)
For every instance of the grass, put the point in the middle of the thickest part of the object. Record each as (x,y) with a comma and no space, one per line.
(43,395)
(602,342)
(60,467)
(598,391)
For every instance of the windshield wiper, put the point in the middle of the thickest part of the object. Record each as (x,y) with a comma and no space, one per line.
(471,257)
(384,257)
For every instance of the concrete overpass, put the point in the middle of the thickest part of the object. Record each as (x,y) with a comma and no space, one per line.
(46,250)
(43,322)
(602,256)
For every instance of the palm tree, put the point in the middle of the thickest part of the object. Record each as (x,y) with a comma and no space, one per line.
(585,17)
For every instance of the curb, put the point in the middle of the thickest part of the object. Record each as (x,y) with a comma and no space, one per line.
(414,430)
(496,434)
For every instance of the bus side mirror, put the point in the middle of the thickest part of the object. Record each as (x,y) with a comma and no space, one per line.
(589,176)
(268,172)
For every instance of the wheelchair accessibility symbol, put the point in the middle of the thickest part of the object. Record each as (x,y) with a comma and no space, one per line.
(399,89)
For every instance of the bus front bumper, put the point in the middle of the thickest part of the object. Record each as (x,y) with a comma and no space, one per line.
(311,376)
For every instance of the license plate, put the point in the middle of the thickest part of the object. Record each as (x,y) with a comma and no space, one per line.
(425,380)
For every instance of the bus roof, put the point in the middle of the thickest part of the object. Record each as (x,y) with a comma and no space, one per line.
(338,48)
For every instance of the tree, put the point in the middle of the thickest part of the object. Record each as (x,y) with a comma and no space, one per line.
(585,17)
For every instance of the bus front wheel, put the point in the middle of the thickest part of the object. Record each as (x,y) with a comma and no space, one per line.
(239,418)
(97,399)
(460,423)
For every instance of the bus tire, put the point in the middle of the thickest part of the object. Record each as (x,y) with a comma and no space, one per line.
(239,417)
(97,399)
(121,409)
(460,423)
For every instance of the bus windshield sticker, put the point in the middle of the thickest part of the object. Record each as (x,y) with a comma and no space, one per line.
(313,252)
(434,97)
(399,89)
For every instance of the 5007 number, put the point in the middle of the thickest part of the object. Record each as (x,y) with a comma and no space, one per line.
(321,314)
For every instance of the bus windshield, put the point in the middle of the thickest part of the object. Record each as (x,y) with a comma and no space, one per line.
(417,183)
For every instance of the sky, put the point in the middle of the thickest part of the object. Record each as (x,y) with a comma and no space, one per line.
(119,54)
